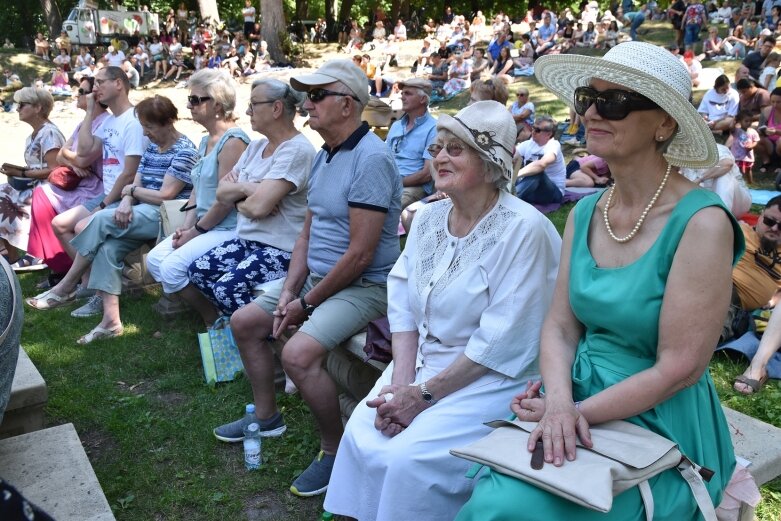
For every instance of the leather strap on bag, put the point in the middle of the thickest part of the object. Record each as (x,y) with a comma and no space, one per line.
(691,473)
(12,282)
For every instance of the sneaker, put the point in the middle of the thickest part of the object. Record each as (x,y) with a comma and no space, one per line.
(233,432)
(83,292)
(314,480)
(93,307)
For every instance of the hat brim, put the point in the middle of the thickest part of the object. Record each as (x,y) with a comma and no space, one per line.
(307,82)
(445,122)
(693,145)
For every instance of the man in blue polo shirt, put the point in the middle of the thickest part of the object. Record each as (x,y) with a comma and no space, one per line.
(409,137)
(496,45)
(336,282)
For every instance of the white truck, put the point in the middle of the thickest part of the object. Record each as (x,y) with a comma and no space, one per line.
(88,25)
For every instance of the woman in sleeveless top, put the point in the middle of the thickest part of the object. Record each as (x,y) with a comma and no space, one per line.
(770,129)
(618,343)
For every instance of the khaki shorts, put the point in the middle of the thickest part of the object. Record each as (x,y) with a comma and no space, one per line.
(341,316)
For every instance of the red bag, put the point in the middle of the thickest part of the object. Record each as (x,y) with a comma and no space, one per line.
(65,178)
(378,341)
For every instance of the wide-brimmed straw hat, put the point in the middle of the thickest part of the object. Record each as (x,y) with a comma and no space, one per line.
(648,70)
(487,127)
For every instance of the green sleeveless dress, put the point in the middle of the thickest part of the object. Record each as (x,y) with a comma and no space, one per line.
(620,310)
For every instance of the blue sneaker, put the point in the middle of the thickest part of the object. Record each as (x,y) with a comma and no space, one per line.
(314,480)
(233,432)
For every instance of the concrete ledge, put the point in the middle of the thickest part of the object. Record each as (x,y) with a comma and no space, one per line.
(28,398)
(52,470)
(758,442)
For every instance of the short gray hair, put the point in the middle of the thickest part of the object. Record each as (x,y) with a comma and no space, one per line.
(219,86)
(425,95)
(545,118)
(277,90)
(41,98)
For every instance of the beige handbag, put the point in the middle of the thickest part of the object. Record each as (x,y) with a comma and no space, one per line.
(172,214)
(623,455)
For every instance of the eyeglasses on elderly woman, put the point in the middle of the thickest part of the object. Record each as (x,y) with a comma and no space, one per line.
(453,149)
(612,104)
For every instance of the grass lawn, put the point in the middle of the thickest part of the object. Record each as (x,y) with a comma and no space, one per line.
(145,416)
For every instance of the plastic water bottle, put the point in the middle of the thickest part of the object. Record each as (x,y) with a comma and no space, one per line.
(249,414)
(252,446)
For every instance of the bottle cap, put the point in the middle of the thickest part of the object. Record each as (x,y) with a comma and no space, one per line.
(249,408)
(253,427)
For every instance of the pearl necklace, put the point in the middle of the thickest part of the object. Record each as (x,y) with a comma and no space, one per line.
(642,215)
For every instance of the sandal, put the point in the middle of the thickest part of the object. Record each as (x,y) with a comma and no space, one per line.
(99,333)
(754,385)
(50,300)
(28,263)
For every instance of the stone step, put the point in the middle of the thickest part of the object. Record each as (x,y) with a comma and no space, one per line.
(758,442)
(50,468)
(28,398)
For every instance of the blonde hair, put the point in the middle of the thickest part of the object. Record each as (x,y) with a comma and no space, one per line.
(41,98)
(219,86)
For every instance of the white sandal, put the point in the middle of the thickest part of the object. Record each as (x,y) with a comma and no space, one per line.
(99,333)
(50,300)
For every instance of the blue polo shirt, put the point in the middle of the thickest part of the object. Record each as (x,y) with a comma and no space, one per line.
(359,173)
(409,147)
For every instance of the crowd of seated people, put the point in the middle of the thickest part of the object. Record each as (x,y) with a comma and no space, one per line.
(271,211)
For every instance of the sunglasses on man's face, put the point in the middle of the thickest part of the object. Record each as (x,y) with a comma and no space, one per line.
(537,130)
(197,100)
(770,222)
(612,104)
(318,95)
(82,92)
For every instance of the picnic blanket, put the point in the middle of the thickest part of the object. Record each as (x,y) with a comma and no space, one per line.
(761,197)
(570,195)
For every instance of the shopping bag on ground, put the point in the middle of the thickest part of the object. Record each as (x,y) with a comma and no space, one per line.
(219,353)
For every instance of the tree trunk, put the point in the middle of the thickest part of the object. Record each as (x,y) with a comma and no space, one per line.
(273,24)
(344,10)
(209,13)
(302,9)
(395,12)
(331,25)
(53,18)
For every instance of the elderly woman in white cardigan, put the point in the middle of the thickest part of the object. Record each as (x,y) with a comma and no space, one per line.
(466,301)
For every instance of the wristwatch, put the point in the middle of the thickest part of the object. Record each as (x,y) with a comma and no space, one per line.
(426,394)
(308,308)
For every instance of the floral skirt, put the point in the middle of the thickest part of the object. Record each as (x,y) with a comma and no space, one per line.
(15,210)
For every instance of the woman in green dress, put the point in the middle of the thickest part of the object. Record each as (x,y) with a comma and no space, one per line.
(643,287)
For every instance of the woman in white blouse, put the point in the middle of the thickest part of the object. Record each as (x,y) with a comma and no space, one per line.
(466,300)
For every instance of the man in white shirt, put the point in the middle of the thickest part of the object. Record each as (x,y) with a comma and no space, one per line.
(543,172)
(114,57)
(249,17)
(140,61)
(121,142)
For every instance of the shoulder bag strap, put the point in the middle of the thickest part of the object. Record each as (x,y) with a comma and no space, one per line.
(12,281)
(690,472)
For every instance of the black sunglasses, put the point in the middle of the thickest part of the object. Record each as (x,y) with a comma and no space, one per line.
(82,92)
(770,222)
(318,95)
(612,104)
(537,130)
(197,100)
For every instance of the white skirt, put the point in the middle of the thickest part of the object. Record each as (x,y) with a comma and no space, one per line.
(412,475)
